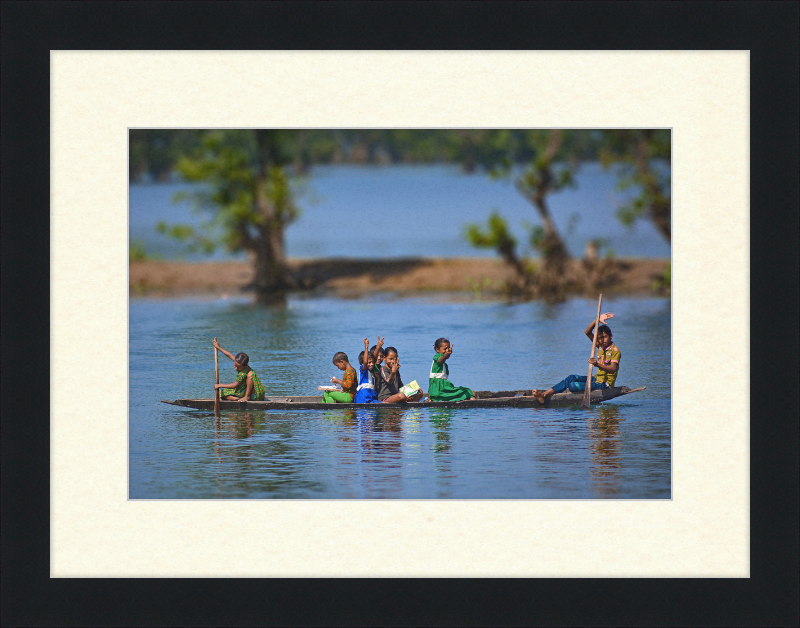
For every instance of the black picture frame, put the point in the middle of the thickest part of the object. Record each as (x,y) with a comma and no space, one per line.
(768,29)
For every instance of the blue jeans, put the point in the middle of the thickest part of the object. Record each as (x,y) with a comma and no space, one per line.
(564,383)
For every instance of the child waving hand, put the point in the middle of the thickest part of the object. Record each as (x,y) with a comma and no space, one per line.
(439,387)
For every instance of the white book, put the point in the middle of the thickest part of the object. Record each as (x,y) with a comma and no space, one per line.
(409,390)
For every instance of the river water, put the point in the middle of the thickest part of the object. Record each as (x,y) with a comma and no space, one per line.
(621,449)
(389,211)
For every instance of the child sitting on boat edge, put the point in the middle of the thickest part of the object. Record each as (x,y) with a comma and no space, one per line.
(439,387)
(390,383)
(247,387)
(379,354)
(348,381)
(365,390)
(607,363)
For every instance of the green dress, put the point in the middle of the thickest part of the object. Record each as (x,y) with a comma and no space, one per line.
(241,386)
(440,388)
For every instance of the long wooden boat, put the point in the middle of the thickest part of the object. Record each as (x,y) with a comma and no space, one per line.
(485,399)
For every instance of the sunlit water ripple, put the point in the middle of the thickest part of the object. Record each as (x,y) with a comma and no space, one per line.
(621,449)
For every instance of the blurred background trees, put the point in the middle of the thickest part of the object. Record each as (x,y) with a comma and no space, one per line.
(642,160)
(248,177)
(247,194)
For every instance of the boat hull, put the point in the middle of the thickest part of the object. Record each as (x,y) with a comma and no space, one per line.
(486,399)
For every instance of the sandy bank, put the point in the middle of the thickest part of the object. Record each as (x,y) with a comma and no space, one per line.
(407,275)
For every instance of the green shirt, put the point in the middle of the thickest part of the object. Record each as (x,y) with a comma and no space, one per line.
(605,357)
(440,368)
(241,386)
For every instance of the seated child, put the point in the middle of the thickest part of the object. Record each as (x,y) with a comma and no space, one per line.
(247,385)
(348,382)
(607,363)
(365,391)
(439,387)
(380,355)
(389,382)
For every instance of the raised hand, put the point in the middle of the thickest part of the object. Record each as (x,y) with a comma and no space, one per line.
(605,317)
(380,341)
(216,344)
(366,342)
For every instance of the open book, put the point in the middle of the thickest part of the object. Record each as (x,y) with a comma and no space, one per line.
(409,390)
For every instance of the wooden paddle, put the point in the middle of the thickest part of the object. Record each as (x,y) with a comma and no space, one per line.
(216,390)
(587,389)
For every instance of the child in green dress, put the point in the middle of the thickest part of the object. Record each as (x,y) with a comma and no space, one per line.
(439,387)
(247,385)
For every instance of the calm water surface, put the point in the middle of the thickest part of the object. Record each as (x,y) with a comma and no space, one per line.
(621,449)
(342,206)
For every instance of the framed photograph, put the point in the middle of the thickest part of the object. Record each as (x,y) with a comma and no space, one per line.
(80,544)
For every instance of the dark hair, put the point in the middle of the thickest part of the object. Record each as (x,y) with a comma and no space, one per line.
(391,350)
(241,358)
(439,342)
(382,350)
(606,329)
(362,359)
(340,357)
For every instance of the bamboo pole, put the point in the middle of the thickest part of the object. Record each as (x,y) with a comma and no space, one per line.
(587,389)
(216,390)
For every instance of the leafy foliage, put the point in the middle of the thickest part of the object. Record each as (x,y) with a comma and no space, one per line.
(156,152)
(641,158)
(664,282)
(249,178)
(243,200)
(138,253)
(246,195)
(496,236)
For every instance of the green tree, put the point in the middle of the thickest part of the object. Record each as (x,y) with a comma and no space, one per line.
(637,155)
(538,181)
(156,151)
(548,172)
(249,196)
(497,236)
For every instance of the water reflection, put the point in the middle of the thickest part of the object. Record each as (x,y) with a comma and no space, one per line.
(606,451)
(370,444)
(407,453)
(381,448)
(236,426)
(255,455)
(341,416)
(440,419)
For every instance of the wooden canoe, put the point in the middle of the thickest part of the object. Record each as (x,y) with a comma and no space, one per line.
(486,399)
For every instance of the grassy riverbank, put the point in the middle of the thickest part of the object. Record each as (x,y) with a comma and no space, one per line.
(406,275)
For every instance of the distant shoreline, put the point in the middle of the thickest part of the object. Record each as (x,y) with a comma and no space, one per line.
(411,275)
